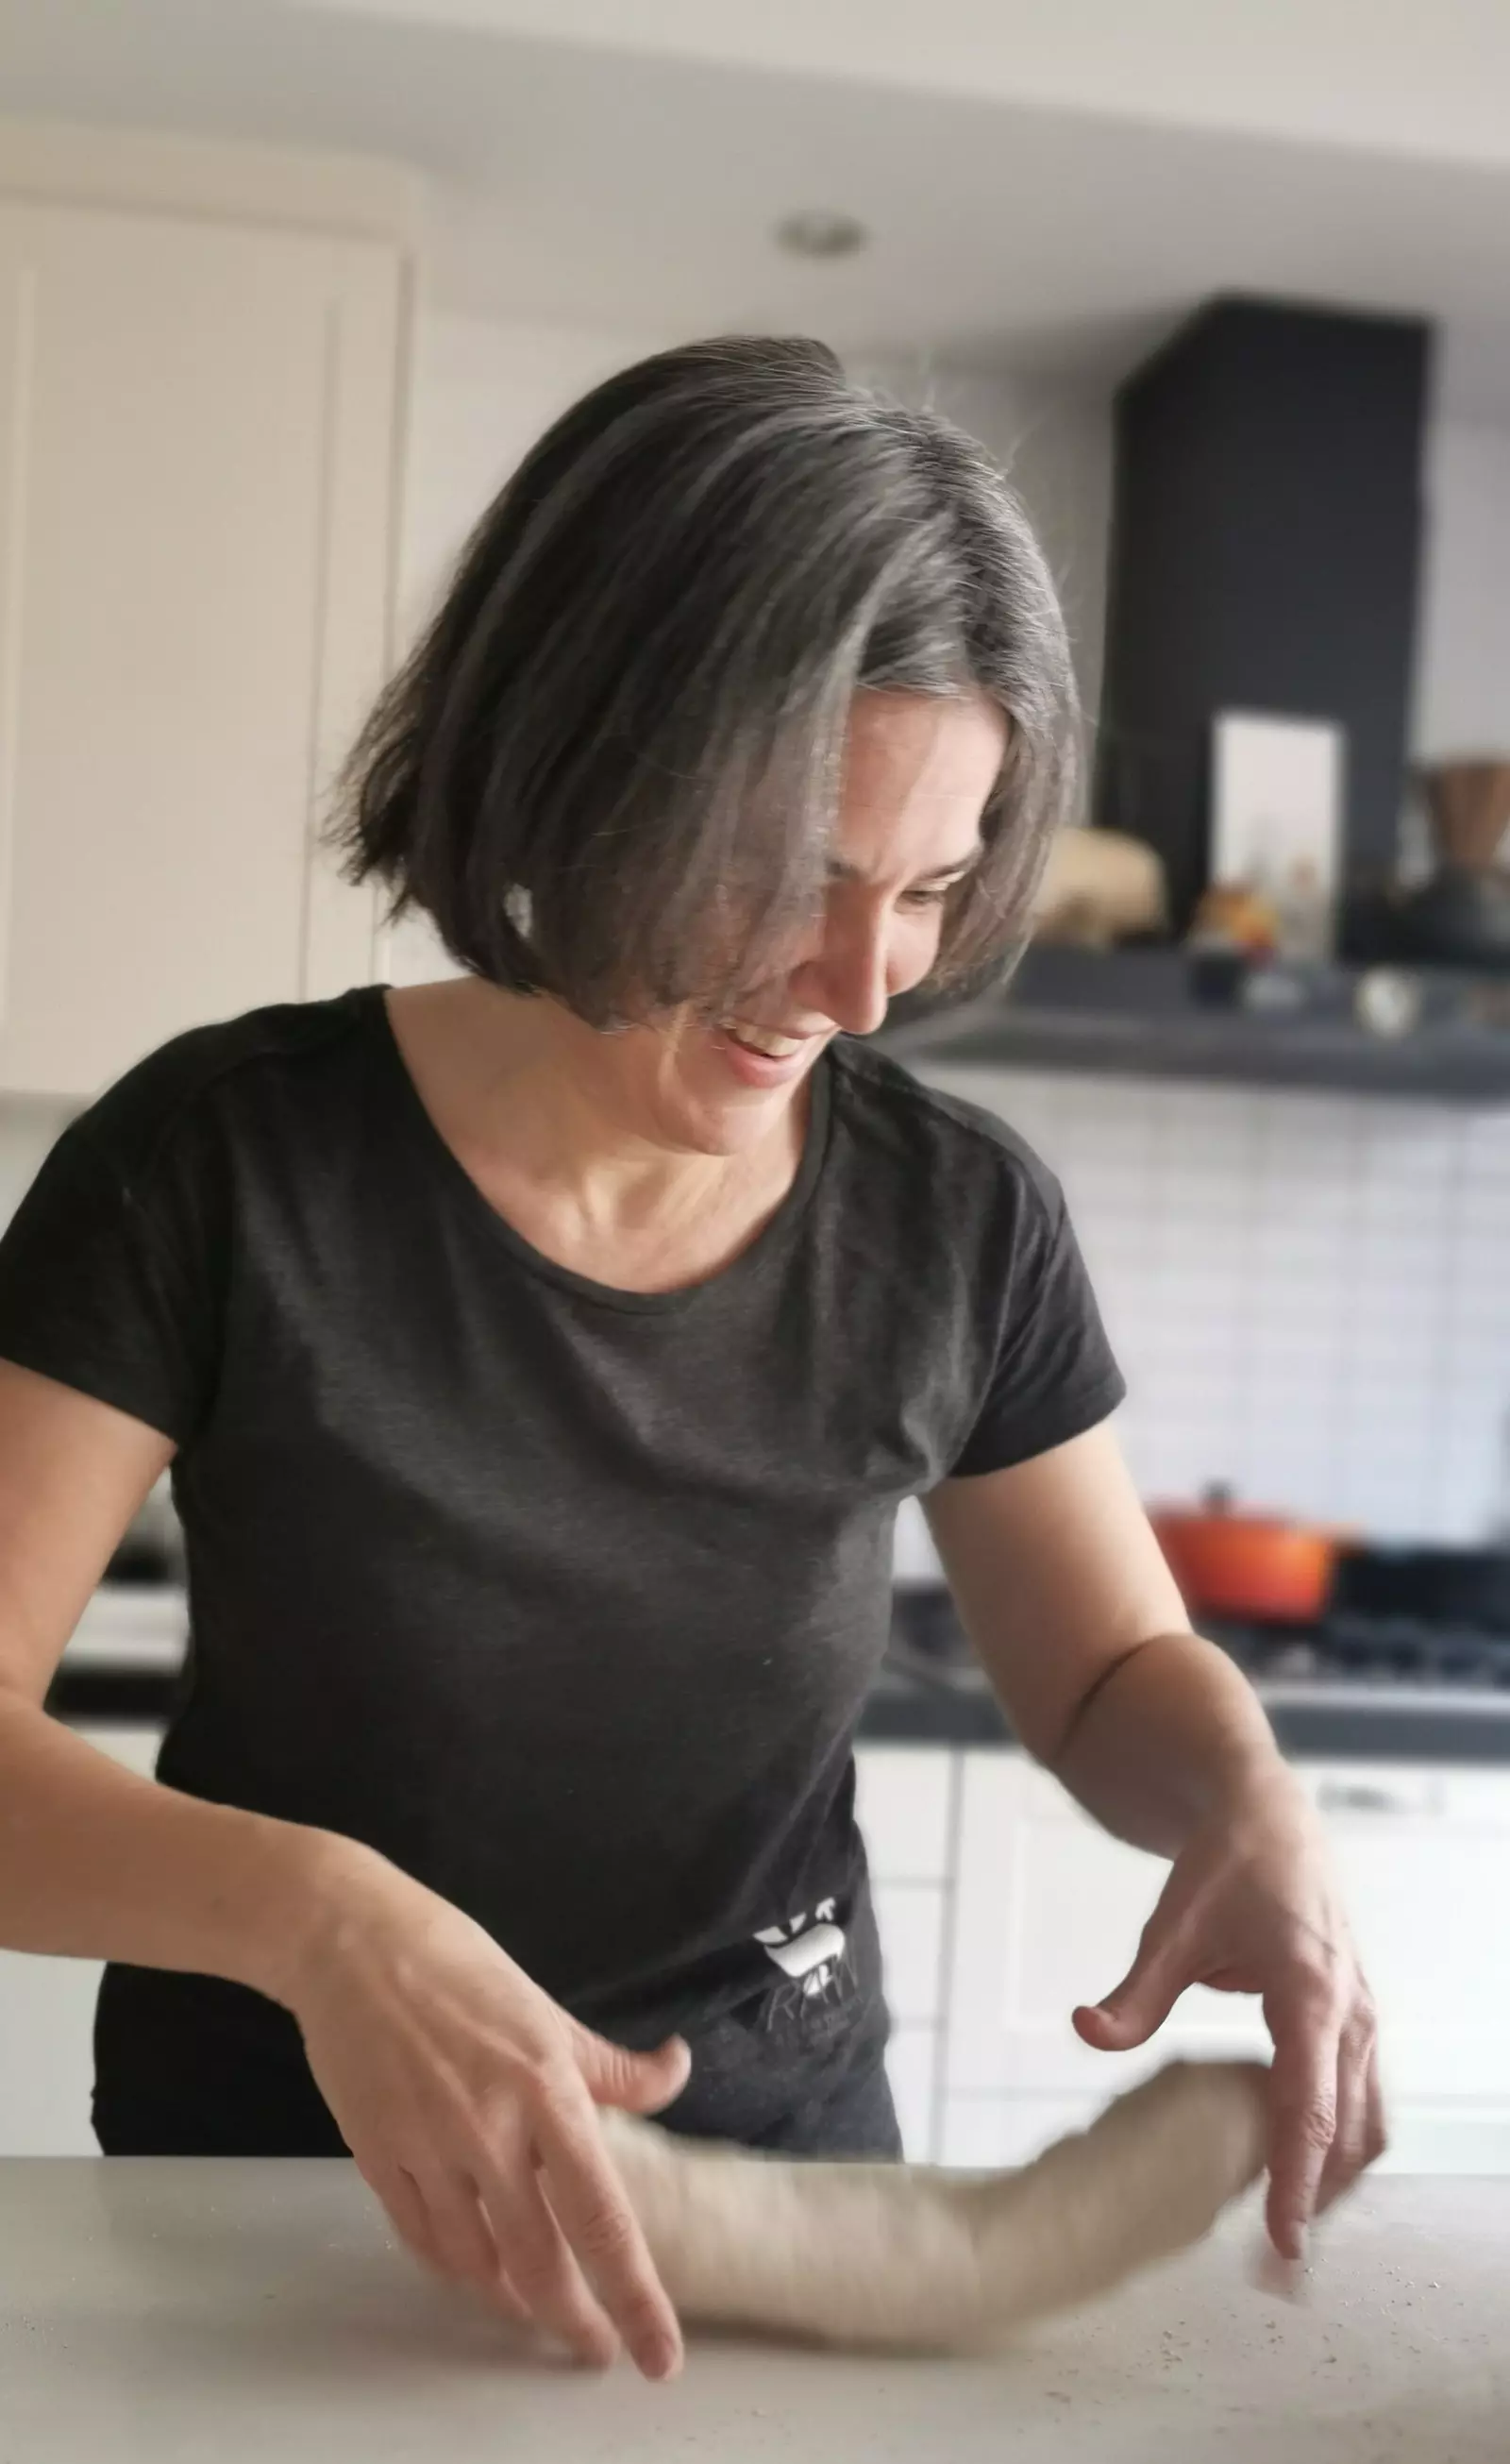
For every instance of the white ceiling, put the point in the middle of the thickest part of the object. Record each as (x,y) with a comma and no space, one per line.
(1029,206)
(1389,74)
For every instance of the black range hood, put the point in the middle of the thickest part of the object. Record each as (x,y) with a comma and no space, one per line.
(1266,556)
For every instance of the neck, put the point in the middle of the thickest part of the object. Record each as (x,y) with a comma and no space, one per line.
(522,1091)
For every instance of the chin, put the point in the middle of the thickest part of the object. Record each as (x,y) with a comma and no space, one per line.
(720,1120)
(724,1127)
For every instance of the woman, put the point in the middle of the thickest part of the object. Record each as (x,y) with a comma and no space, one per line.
(541,1357)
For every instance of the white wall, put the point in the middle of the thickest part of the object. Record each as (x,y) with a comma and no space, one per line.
(1056,445)
(481,395)
(1463,671)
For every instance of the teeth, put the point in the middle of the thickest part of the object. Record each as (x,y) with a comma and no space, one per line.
(760,1038)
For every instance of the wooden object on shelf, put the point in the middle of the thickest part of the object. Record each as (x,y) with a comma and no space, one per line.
(1468,804)
(1100,887)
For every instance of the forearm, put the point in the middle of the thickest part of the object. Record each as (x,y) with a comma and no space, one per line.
(96,1862)
(1168,1738)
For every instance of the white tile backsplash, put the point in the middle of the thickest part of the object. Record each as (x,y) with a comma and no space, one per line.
(1310,1294)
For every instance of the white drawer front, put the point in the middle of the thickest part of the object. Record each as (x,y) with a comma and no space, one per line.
(902,1797)
(912,2070)
(911,1917)
(983,2133)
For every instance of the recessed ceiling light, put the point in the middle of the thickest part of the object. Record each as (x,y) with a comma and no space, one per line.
(820,234)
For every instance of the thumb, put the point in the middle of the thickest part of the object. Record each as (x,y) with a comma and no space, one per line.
(634,2082)
(1131,2012)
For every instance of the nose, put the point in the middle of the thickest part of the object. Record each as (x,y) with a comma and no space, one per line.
(848,976)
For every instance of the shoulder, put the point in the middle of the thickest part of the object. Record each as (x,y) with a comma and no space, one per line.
(202,1079)
(940,1142)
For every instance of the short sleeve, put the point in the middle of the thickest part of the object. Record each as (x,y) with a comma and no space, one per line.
(1054,1375)
(105,1284)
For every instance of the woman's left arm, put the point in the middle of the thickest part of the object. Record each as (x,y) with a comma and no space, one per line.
(1066,1598)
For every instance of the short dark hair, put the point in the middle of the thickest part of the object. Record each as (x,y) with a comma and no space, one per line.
(609,768)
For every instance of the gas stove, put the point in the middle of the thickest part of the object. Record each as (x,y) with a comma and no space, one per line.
(1348,1653)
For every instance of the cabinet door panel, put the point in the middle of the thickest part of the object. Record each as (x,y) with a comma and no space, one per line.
(1427,1902)
(911,2071)
(984,2133)
(1048,1913)
(910,1917)
(901,1802)
(47,2020)
(196,423)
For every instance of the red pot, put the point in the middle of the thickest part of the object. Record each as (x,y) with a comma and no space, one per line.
(1236,1564)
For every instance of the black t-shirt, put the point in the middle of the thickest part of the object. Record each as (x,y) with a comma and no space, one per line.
(565,1599)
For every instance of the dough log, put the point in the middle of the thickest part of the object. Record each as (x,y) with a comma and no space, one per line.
(920,2259)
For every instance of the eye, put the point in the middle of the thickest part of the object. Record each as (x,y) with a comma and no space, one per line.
(923,898)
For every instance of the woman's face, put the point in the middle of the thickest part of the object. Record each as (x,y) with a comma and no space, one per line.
(917,773)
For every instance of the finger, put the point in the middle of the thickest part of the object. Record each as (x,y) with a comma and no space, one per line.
(1347,2154)
(634,2082)
(1344,2156)
(1302,2123)
(407,2214)
(462,2232)
(415,2219)
(602,2228)
(1370,2134)
(1377,2121)
(1133,2010)
(542,2269)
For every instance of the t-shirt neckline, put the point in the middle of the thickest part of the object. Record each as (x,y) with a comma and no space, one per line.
(446,1165)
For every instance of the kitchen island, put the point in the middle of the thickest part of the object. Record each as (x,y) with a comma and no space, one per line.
(159,2313)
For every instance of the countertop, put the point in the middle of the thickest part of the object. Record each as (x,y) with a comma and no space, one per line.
(159,2312)
(913,1705)
(930,1690)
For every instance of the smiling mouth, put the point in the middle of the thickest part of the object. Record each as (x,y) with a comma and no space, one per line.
(767,1042)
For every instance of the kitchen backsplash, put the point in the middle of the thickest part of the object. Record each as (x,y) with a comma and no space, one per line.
(1310,1295)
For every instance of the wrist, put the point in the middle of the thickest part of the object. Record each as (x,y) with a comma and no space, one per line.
(1252,1787)
(312,1886)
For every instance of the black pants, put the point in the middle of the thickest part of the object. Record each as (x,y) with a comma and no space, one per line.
(190,2066)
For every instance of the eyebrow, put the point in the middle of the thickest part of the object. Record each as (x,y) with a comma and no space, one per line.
(839,870)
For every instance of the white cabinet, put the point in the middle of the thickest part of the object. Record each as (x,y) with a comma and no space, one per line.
(907,1804)
(904,1806)
(1047,1913)
(197,432)
(1425,1860)
(1048,1910)
(47,2020)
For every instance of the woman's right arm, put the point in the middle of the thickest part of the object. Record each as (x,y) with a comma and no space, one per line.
(458,2085)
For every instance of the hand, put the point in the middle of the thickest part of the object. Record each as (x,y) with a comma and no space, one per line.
(468,2099)
(1251,1906)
